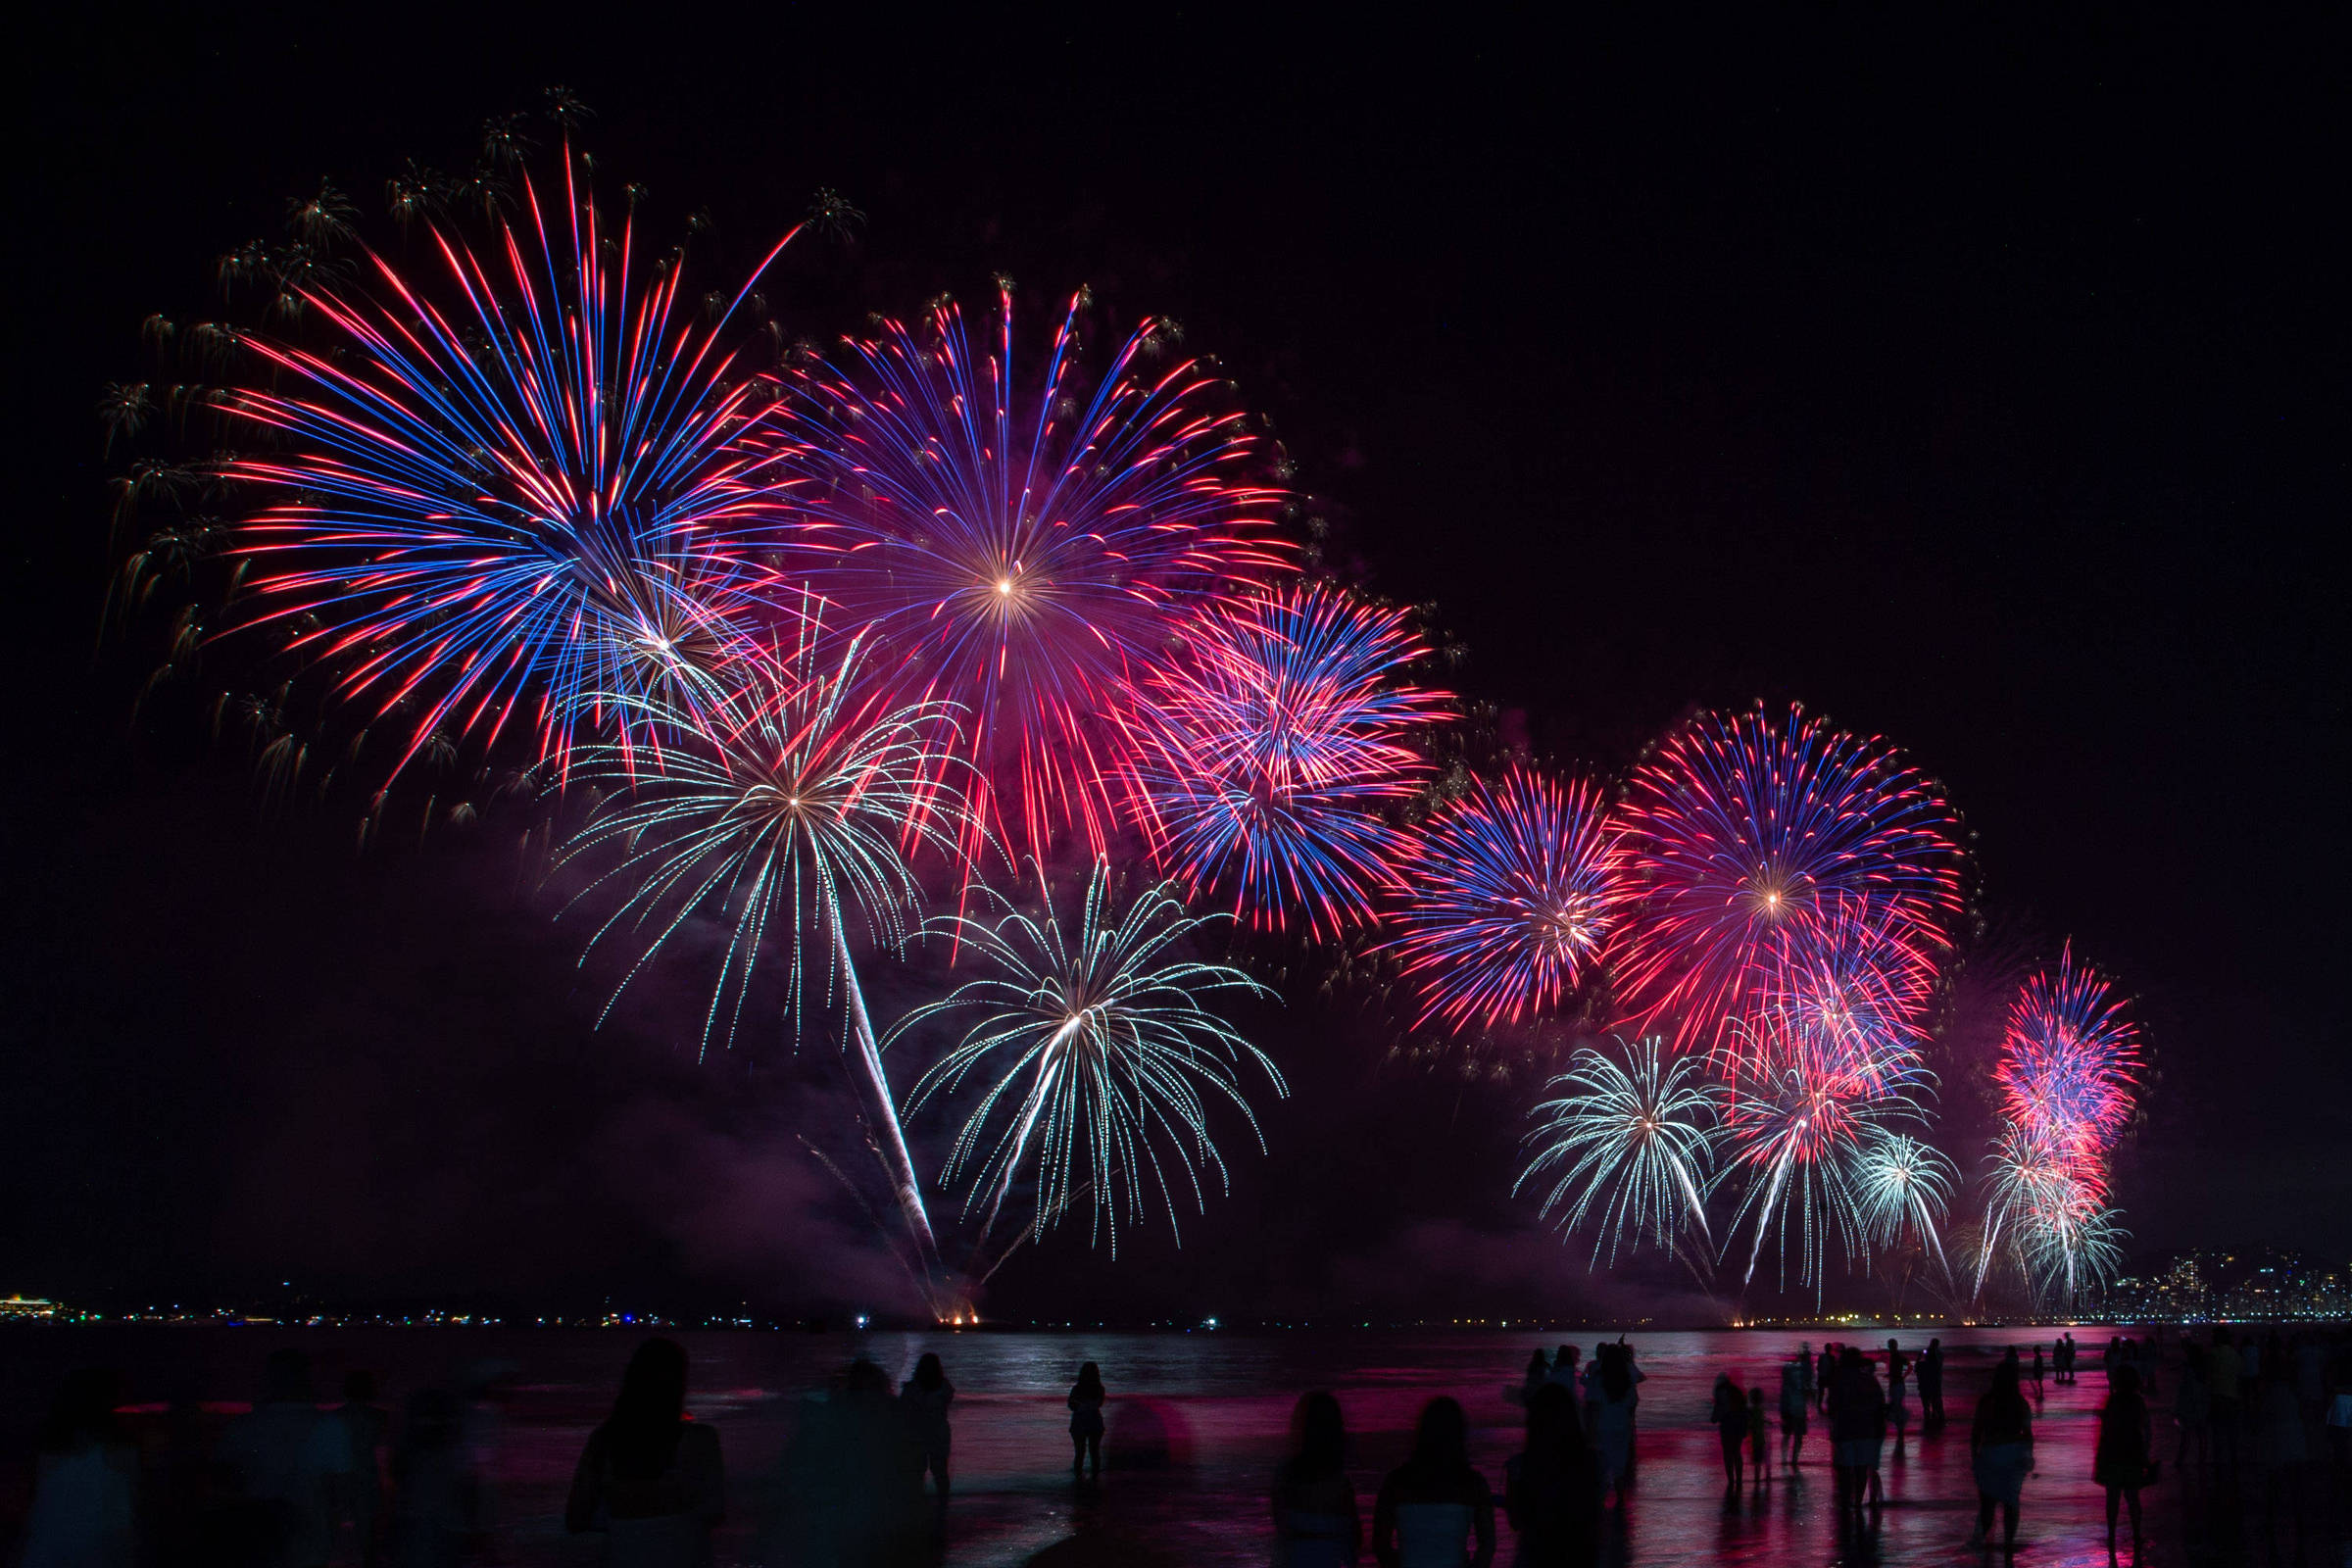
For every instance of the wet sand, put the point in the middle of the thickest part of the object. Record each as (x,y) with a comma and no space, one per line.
(1199,1421)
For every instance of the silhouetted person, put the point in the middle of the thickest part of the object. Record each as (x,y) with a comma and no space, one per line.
(1613,1419)
(2120,1463)
(925,1397)
(1563,1368)
(1086,1423)
(365,1426)
(1796,1405)
(1898,1405)
(1538,1373)
(85,1484)
(651,1477)
(1727,1413)
(1825,1373)
(290,1461)
(1931,1386)
(2000,1446)
(1433,1503)
(432,1490)
(1552,1488)
(1857,1428)
(1316,1520)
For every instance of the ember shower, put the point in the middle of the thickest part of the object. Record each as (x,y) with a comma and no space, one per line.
(1008,640)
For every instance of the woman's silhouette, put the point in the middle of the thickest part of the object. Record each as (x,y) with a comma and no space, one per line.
(1316,1520)
(1086,1423)
(651,1477)
(1433,1503)
(2000,1443)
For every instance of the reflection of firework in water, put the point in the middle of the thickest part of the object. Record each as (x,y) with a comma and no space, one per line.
(1268,743)
(1025,552)
(1100,1053)
(1634,1138)
(1512,891)
(1748,836)
(509,487)
(2068,1058)
(795,791)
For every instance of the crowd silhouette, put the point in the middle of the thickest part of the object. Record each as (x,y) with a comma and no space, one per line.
(2261,1423)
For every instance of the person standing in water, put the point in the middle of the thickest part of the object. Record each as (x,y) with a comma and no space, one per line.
(1898,1407)
(1931,1386)
(2000,1446)
(1727,1412)
(2120,1463)
(1086,1424)
(1796,1401)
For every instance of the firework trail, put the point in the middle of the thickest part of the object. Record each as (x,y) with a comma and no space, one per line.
(1100,1052)
(1747,836)
(1267,746)
(1513,896)
(1636,1137)
(779,800)
(1025,553)
(512,485)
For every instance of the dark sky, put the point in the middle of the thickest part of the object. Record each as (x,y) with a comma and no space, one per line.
(1984,389)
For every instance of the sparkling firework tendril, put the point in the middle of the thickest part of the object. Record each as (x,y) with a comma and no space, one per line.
(1266,744)
(779,800)
(1902,1184)
(1028,553)
(519,496)
(1512,897)
(1101,1053)
(1746,834)
(1636,1137)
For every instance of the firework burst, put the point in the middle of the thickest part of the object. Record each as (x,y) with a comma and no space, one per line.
(2069,1059)
(1901,1185)
(509,485)
(1629,1142)
(1100,1055)
(1025,552)
(1267,745)
(1513,892)
(1749,836)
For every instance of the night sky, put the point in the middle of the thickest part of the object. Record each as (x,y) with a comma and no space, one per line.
(1986,390)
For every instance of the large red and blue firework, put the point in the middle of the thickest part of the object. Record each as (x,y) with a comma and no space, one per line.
(1753,839)
(2068,1061)
(1266,747)
(1027,551)
(1512,895)
(511,484)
